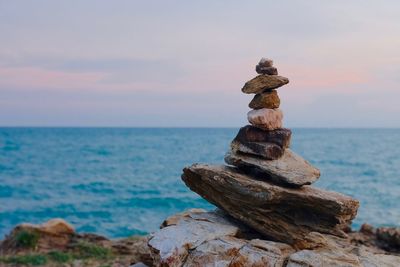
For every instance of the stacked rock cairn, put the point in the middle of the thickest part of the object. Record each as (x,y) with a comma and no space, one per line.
(266,185)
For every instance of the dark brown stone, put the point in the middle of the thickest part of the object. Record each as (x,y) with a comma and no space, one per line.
(266,70)
(268,151)
(266,62)
(250,133)
(389,235)
(265,100)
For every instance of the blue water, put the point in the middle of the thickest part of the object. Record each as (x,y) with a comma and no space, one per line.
(120,182)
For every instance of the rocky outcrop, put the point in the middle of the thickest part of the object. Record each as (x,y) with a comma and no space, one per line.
(283,214)
(202,238)
(53,234)
(214,246)
(55,243)
(389,236)
(384,238)
(289,170)
(263,83)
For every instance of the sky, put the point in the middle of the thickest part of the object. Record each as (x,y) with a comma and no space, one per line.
(183,63)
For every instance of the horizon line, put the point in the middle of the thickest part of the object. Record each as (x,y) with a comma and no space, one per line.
(191,127)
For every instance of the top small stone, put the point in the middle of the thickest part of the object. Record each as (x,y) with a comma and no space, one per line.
(266,62)
(265,67)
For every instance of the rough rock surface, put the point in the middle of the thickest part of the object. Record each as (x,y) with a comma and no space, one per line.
(266,70)
(268,151)
(242,250)
(53,234)
(212,239)
(262,83)
(290,169)
(283,214)
(384,238)
(389,235)
(266,119)
(78,250)
(250,133)
(340,252)
(265,100)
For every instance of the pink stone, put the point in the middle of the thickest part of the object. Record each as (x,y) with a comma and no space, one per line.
(265,118)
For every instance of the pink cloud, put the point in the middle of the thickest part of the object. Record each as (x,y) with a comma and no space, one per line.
(317,78)
(31,78)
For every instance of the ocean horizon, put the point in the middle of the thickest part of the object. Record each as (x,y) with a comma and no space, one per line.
(121,181)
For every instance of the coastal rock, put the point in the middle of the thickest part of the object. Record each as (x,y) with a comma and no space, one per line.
(213,245)
(30,243)
(53,234)
(265,100)
(390,236)
(339,252)
(171,245)
(265,62)
(266,119)
(290,169)
(368,258)
(268,151)
(283,214)
(249,133)
(262,83)
(266,70)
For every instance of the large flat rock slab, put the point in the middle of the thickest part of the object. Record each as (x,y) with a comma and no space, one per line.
(283,214)
(290,169)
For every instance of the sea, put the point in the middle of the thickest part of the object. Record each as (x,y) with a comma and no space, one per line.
(119,182)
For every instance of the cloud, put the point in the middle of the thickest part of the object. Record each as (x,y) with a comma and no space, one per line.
(113,70)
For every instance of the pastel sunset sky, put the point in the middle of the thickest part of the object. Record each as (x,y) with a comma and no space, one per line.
(183,63)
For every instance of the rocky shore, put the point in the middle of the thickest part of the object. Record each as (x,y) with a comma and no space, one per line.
(268,213)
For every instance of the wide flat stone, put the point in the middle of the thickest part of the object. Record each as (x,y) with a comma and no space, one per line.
(290,169)
(265,100)
(266,119)
(283,214)
(267,151)
(262,83)
(249,133)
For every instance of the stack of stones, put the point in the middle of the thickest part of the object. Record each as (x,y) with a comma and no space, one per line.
(257,147)
(266,185)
